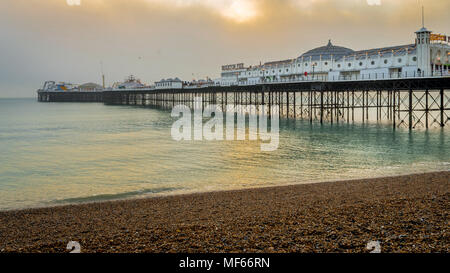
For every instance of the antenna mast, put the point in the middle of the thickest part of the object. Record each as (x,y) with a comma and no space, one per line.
(103,74)
(423,17)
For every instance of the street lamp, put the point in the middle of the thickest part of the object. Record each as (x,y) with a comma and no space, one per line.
(264,75)
(313,66)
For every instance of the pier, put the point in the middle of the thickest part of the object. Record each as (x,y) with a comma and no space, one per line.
(404,103)
(78,96)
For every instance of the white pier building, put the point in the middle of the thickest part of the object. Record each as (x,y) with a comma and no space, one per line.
(169,84)
(427,57)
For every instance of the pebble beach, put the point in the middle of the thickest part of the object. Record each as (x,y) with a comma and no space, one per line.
(404,214)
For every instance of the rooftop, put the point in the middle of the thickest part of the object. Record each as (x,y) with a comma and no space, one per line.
(325,52)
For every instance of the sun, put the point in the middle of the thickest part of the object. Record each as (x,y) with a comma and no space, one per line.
(240,11)
(374,2)
(234,10)
(73,2)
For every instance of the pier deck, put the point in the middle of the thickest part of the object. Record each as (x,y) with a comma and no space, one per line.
(411,103)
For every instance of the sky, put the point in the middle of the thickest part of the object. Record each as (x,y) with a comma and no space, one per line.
(68,40)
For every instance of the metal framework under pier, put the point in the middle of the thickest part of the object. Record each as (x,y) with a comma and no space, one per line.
(410,103)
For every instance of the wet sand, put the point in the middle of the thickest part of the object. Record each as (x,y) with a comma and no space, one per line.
(405,214)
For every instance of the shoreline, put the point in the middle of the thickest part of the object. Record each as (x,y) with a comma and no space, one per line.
(57,204)
(409,214)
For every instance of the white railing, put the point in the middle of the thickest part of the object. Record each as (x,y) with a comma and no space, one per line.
(363,77)
(72,90)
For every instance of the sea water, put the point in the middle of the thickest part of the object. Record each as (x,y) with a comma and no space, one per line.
(63,153)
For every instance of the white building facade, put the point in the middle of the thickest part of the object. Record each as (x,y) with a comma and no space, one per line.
(169,84)
(427,57)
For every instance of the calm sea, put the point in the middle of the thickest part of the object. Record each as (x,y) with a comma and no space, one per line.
(61,153)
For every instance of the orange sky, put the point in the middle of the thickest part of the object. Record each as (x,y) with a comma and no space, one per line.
(154,39)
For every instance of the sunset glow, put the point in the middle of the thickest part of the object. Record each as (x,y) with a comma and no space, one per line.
(240,11)
(236,10)
(73,2)
(156,39)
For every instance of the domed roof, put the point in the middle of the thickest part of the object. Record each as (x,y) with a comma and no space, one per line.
(327,51)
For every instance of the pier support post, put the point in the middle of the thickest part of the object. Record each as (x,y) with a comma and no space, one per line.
(321,107)
(378,103)
(348,107)
(388,106)
(310,106)
(410,112)
(353,106)
(363,106)
(287,104)
(338,106)
(331,105)
(427,110)
(301,104)
(442,107)
(295,95)
(393,111)
(367,106)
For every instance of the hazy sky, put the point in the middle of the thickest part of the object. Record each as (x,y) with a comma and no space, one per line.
(60,40)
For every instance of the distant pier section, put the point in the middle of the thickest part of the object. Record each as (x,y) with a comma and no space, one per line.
(66,92)
(71,96)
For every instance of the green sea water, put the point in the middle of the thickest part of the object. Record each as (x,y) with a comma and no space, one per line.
(61,153)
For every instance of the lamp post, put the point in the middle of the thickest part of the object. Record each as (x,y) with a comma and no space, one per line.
(313,66)
(264,75)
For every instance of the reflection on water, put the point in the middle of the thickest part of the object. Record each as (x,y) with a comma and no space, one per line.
(64,153)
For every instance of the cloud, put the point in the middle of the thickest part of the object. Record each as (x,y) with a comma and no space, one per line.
(153,39)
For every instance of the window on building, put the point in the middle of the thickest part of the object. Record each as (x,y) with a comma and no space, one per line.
(385,61)
(339,66)
(360,64)
(349,64)
(306,64)
(399,60)
(326,63)
(414,59)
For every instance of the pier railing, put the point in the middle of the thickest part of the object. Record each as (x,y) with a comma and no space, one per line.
(356,77)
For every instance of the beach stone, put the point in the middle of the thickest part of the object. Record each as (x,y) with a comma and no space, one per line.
(405,213)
